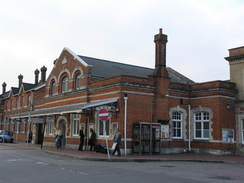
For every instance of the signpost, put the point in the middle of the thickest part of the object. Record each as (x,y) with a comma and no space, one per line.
(103,115)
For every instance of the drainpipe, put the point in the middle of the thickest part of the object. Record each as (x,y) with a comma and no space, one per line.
(189,127)
(125,118)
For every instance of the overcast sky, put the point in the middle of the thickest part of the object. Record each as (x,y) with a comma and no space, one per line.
(33,33)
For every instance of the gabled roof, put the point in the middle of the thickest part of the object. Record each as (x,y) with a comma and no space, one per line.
(5,95)
(28,86)
(106,69)
(16,91)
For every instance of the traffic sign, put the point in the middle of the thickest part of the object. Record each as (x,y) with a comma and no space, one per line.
(103,114)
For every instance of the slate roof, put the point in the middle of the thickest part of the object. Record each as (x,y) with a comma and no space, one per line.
(28,86)
(106,69)
(15,90)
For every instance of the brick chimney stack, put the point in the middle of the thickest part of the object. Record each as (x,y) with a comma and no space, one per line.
(36,76)
(4,87)
(20,80)
(43,74)
(160,54)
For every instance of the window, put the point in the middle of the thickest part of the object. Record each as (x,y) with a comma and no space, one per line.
(23,102)
(6,106)
(78,81)
(21,128)
(201,121)
(76,122)
(11,104)
(65,84)
(53,91)
(101,128)
(50,128)
(243,131)
(29,100)
(177,125)
(17,103)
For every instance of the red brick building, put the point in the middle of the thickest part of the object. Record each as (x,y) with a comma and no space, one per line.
(157,110)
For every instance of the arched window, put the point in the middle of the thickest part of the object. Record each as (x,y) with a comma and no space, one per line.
(65,85)
(201,125)
(53,90)
(78,81)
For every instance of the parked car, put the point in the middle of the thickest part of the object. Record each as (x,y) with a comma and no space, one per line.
(6,136)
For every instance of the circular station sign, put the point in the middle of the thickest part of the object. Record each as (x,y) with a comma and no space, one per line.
(103,114)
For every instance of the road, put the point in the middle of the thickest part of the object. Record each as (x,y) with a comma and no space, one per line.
(29,165)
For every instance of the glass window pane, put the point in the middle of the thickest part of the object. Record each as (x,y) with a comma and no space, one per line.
(206,125)
(198,125)
(206,133)
(198,134)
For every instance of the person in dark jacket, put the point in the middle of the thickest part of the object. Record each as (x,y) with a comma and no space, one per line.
(30,137)
(117,139)
(59,138)
(92,139)
(82,136)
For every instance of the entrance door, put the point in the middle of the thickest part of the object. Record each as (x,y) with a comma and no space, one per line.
(62,128)
(39,133)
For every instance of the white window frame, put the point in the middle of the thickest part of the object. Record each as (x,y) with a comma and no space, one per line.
(75,125)
(78,81)
(177,117)
(65,84)
(22,101)
(17,103)
(242,132)
(53,88)
(29,100)
(101,130)
(203,119)
(50,127)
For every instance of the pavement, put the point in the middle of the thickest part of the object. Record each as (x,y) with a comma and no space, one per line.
(96,156)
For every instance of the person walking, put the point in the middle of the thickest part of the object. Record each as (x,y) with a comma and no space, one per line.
(92,139)
(82,136)
(59,138)
(117,140)
(30,137)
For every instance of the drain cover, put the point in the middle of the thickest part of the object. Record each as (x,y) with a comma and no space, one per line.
(168,166)
(221,178)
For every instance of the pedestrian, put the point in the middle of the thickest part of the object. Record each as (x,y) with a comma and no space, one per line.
(59,138)
(30,137)
(117,140)
(92,139)
(82,136)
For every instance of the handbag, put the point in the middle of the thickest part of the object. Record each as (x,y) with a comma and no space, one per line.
(114,145)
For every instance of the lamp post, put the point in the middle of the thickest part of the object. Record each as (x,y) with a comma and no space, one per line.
(125,118)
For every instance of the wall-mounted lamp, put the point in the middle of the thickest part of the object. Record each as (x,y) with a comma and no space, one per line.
(165,95)
(228,106)
(125,96)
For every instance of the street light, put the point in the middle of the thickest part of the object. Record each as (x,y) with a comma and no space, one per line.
(125,98)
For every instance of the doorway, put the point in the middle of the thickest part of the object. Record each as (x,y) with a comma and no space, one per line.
(62,128)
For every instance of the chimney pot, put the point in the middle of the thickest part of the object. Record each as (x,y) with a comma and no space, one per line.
(20,77)
(36,76)
(43,74)
(4,87)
